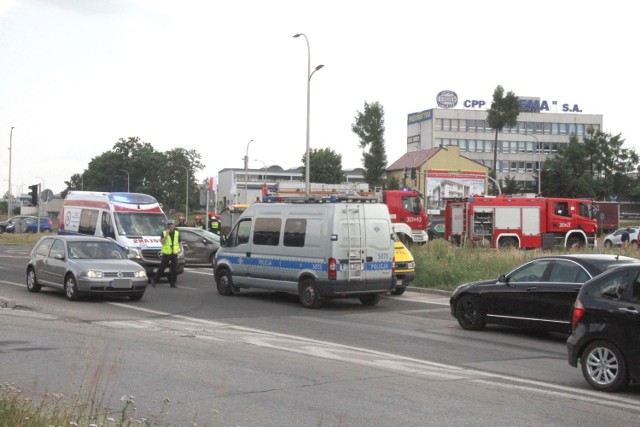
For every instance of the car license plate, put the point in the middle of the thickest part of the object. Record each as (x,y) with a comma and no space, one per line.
(120,284)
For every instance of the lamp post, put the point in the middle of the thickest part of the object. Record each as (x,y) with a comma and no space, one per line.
(309,75)
(246,175)
(540,153)
(122,170)
(186,203)
(264,171)
(9,200)
(39,207)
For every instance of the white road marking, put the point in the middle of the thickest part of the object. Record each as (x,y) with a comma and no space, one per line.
(219,331)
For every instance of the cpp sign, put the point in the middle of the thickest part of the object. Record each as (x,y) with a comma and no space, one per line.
(474,103)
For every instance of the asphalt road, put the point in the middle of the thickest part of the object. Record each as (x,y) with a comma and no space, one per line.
(190,355)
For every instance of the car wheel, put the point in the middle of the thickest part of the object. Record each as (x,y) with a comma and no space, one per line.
(604,367)
(399,290)
(575,243)
(469,313)
(32,281)
(136,297)
(370,300)
(309,295)
(508,243)
(608,244)
(70,288)
(224,283)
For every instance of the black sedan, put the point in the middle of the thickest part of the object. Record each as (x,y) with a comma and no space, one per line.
(200,246)
(538,294)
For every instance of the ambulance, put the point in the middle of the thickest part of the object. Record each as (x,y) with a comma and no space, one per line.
(135,221)
(314,249)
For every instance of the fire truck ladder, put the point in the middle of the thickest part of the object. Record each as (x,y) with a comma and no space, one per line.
(355,261)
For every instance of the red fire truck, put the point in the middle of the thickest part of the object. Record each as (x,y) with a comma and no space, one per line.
(521,222)
(405,206)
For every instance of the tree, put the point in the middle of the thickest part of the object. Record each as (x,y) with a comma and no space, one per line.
(327,166)
(149,171)
(597,168)
(369,126)
(503,112)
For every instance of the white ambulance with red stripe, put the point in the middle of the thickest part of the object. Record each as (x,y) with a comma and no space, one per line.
(134,220)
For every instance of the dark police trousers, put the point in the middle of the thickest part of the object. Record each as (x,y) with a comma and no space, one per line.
(166,259)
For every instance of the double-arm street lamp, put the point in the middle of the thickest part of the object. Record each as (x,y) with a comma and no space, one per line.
(309,75)
(246,174)
(186,204)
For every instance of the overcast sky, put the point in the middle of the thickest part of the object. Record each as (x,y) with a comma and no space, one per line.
(78,75)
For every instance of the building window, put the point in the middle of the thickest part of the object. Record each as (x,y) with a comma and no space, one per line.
(555,128)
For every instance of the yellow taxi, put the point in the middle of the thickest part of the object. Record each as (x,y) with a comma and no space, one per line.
(404,266)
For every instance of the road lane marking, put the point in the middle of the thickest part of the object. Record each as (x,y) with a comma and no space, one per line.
(219,331)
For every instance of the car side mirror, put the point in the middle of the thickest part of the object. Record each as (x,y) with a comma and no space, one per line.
(224,240)
(59,256)
(503,279)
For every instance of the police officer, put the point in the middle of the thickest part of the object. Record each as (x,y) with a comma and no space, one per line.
(171,246)
(214,224)
(199,223)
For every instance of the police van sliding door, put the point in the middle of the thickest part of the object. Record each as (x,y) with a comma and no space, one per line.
(378,247)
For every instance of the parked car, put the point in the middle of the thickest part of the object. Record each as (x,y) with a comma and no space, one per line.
(10,225)
(605,335)
(537,294)
(84,265)
(615,238)
(404,266)
(200,246)
(25,224)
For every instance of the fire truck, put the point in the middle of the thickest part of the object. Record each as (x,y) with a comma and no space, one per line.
(521,222)
(405,206)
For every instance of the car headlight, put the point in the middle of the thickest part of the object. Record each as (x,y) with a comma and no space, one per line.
(411,266)
(133,253)
(93,274)
(140,273)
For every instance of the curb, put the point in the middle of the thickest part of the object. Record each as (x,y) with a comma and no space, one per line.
(438,292)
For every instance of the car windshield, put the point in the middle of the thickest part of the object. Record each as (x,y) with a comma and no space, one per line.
(140,224)
(95,250)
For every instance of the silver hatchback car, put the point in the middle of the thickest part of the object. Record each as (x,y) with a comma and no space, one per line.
(84,265)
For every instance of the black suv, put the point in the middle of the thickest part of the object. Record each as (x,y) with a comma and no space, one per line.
(605,335)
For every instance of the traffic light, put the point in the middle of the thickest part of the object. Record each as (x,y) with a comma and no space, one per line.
(33,192)
(414,173)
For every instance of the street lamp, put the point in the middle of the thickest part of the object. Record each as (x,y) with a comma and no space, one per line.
(186,204)
(9,200)
(246,176)
(264,167)
(122,170)
(539,163)
(309,75)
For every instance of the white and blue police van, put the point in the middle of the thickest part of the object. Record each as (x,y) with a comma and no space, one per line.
(315,250)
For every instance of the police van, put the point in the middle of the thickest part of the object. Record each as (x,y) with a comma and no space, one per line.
(135,221)
(315,250)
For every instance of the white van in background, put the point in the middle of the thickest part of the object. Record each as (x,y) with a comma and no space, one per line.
(135,221)
(315,250)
